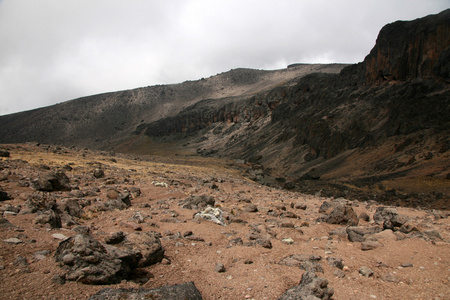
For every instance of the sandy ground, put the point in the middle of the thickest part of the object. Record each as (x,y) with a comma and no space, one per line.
(418,268)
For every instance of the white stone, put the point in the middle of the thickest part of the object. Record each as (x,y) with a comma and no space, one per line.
(13,241)
(59,236)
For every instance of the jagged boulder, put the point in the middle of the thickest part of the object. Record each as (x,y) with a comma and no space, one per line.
(71,206)
(48,217)
(185,291)
(86,260)
(359,233)
(389,218)
(52,181)
(311,287)
(116,200)
(198,202)
(148,244)
(304,262)
(340,214)
(5,223)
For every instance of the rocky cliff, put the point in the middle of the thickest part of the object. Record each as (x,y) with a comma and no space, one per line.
(407,50)
(380,120)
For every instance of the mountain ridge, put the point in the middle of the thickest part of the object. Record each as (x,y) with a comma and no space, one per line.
(88,121)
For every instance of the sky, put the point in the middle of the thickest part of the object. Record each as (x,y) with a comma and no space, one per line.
(52,51)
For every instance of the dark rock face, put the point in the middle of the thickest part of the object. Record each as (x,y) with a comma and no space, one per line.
(311,287)
(407,50)
(186,291)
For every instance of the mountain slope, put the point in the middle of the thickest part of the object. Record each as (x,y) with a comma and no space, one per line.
(104,120)
(378,125)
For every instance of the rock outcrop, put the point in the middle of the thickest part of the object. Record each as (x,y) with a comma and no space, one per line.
(409,50)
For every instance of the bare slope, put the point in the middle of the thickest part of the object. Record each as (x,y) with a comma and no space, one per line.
(103,120)
(271,238)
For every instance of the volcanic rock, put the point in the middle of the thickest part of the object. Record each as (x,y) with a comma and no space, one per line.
(53,181)
(48,217)
(358,234)
(198,202)
(86,260)
(185,291)
(341,214)
(149,246)
(311,287)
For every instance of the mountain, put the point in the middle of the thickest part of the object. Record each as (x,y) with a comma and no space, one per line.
(377,130)
(103,120)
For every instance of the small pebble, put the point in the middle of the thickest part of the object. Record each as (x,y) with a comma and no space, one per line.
(220,268)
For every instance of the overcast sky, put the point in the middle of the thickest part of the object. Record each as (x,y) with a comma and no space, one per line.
(56,50)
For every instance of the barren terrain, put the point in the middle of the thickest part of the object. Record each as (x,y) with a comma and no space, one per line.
(266,235)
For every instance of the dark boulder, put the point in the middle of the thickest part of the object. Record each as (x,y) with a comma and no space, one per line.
(341,214)
(117,200)
(4,153)
(357,234)
(148,244)
(311,287)
(53,181)
(87,261)
(98,173)
(71,206)
(48,217)
(115,237)
(4,195)
(303,261)
(198,202)
(5,223)
(389,218)
(185,291)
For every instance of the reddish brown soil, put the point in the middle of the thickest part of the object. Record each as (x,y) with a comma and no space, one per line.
(263,278)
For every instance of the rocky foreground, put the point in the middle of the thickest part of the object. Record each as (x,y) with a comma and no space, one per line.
(79,224)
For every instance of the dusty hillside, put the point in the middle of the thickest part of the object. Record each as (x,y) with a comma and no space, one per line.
(105,120)
(268,239)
